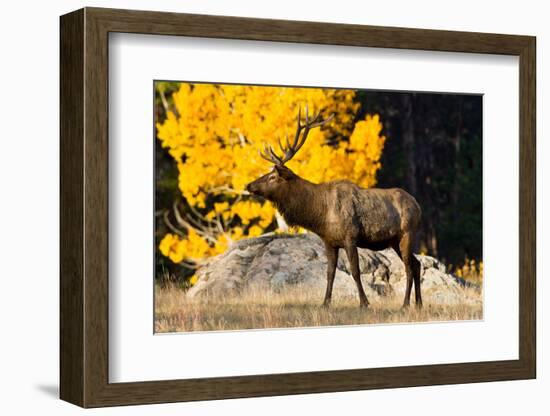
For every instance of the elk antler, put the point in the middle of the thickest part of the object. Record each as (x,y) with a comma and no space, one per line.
(292,148)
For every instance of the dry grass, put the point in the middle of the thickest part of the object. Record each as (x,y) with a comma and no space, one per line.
(174,312)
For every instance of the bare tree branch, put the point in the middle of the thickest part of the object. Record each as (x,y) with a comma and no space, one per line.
(170,225)
(189,226)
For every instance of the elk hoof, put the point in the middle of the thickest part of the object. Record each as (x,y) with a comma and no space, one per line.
(326,304)
(364,305)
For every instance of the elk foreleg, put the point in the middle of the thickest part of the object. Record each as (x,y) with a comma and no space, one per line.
(353,257)
(332,259)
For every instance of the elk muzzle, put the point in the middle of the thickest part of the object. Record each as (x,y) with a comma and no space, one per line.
(258,188)
(252,187)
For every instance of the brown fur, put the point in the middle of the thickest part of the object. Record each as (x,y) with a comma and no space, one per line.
(347,216)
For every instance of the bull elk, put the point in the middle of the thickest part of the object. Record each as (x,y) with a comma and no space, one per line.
(341,213)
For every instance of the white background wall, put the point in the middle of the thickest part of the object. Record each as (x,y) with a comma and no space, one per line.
(29,210)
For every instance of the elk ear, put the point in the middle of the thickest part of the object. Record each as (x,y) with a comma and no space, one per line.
(284,172)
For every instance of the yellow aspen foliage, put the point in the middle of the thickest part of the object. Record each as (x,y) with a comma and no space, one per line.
(470,270)
(215,133)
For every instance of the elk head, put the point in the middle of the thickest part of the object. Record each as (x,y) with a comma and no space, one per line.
(272,184)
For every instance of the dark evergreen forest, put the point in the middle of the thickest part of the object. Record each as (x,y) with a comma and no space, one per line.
(434,151)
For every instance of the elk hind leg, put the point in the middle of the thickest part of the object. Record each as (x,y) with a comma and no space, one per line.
(353,257)
(415,266)
(332,258)
(406,254)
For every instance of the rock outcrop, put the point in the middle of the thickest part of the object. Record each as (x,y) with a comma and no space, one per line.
(282,262)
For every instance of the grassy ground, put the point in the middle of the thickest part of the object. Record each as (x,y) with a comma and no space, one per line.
(297,308)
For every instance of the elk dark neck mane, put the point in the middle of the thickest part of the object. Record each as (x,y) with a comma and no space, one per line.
(301,204)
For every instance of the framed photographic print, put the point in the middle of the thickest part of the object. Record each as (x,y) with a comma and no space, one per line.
(256,207)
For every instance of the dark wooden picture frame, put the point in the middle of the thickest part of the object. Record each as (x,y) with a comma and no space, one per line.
(84,207)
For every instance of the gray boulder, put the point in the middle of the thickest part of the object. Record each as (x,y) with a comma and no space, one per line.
(283,262)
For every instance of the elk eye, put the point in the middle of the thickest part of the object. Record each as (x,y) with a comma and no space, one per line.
(271,178)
